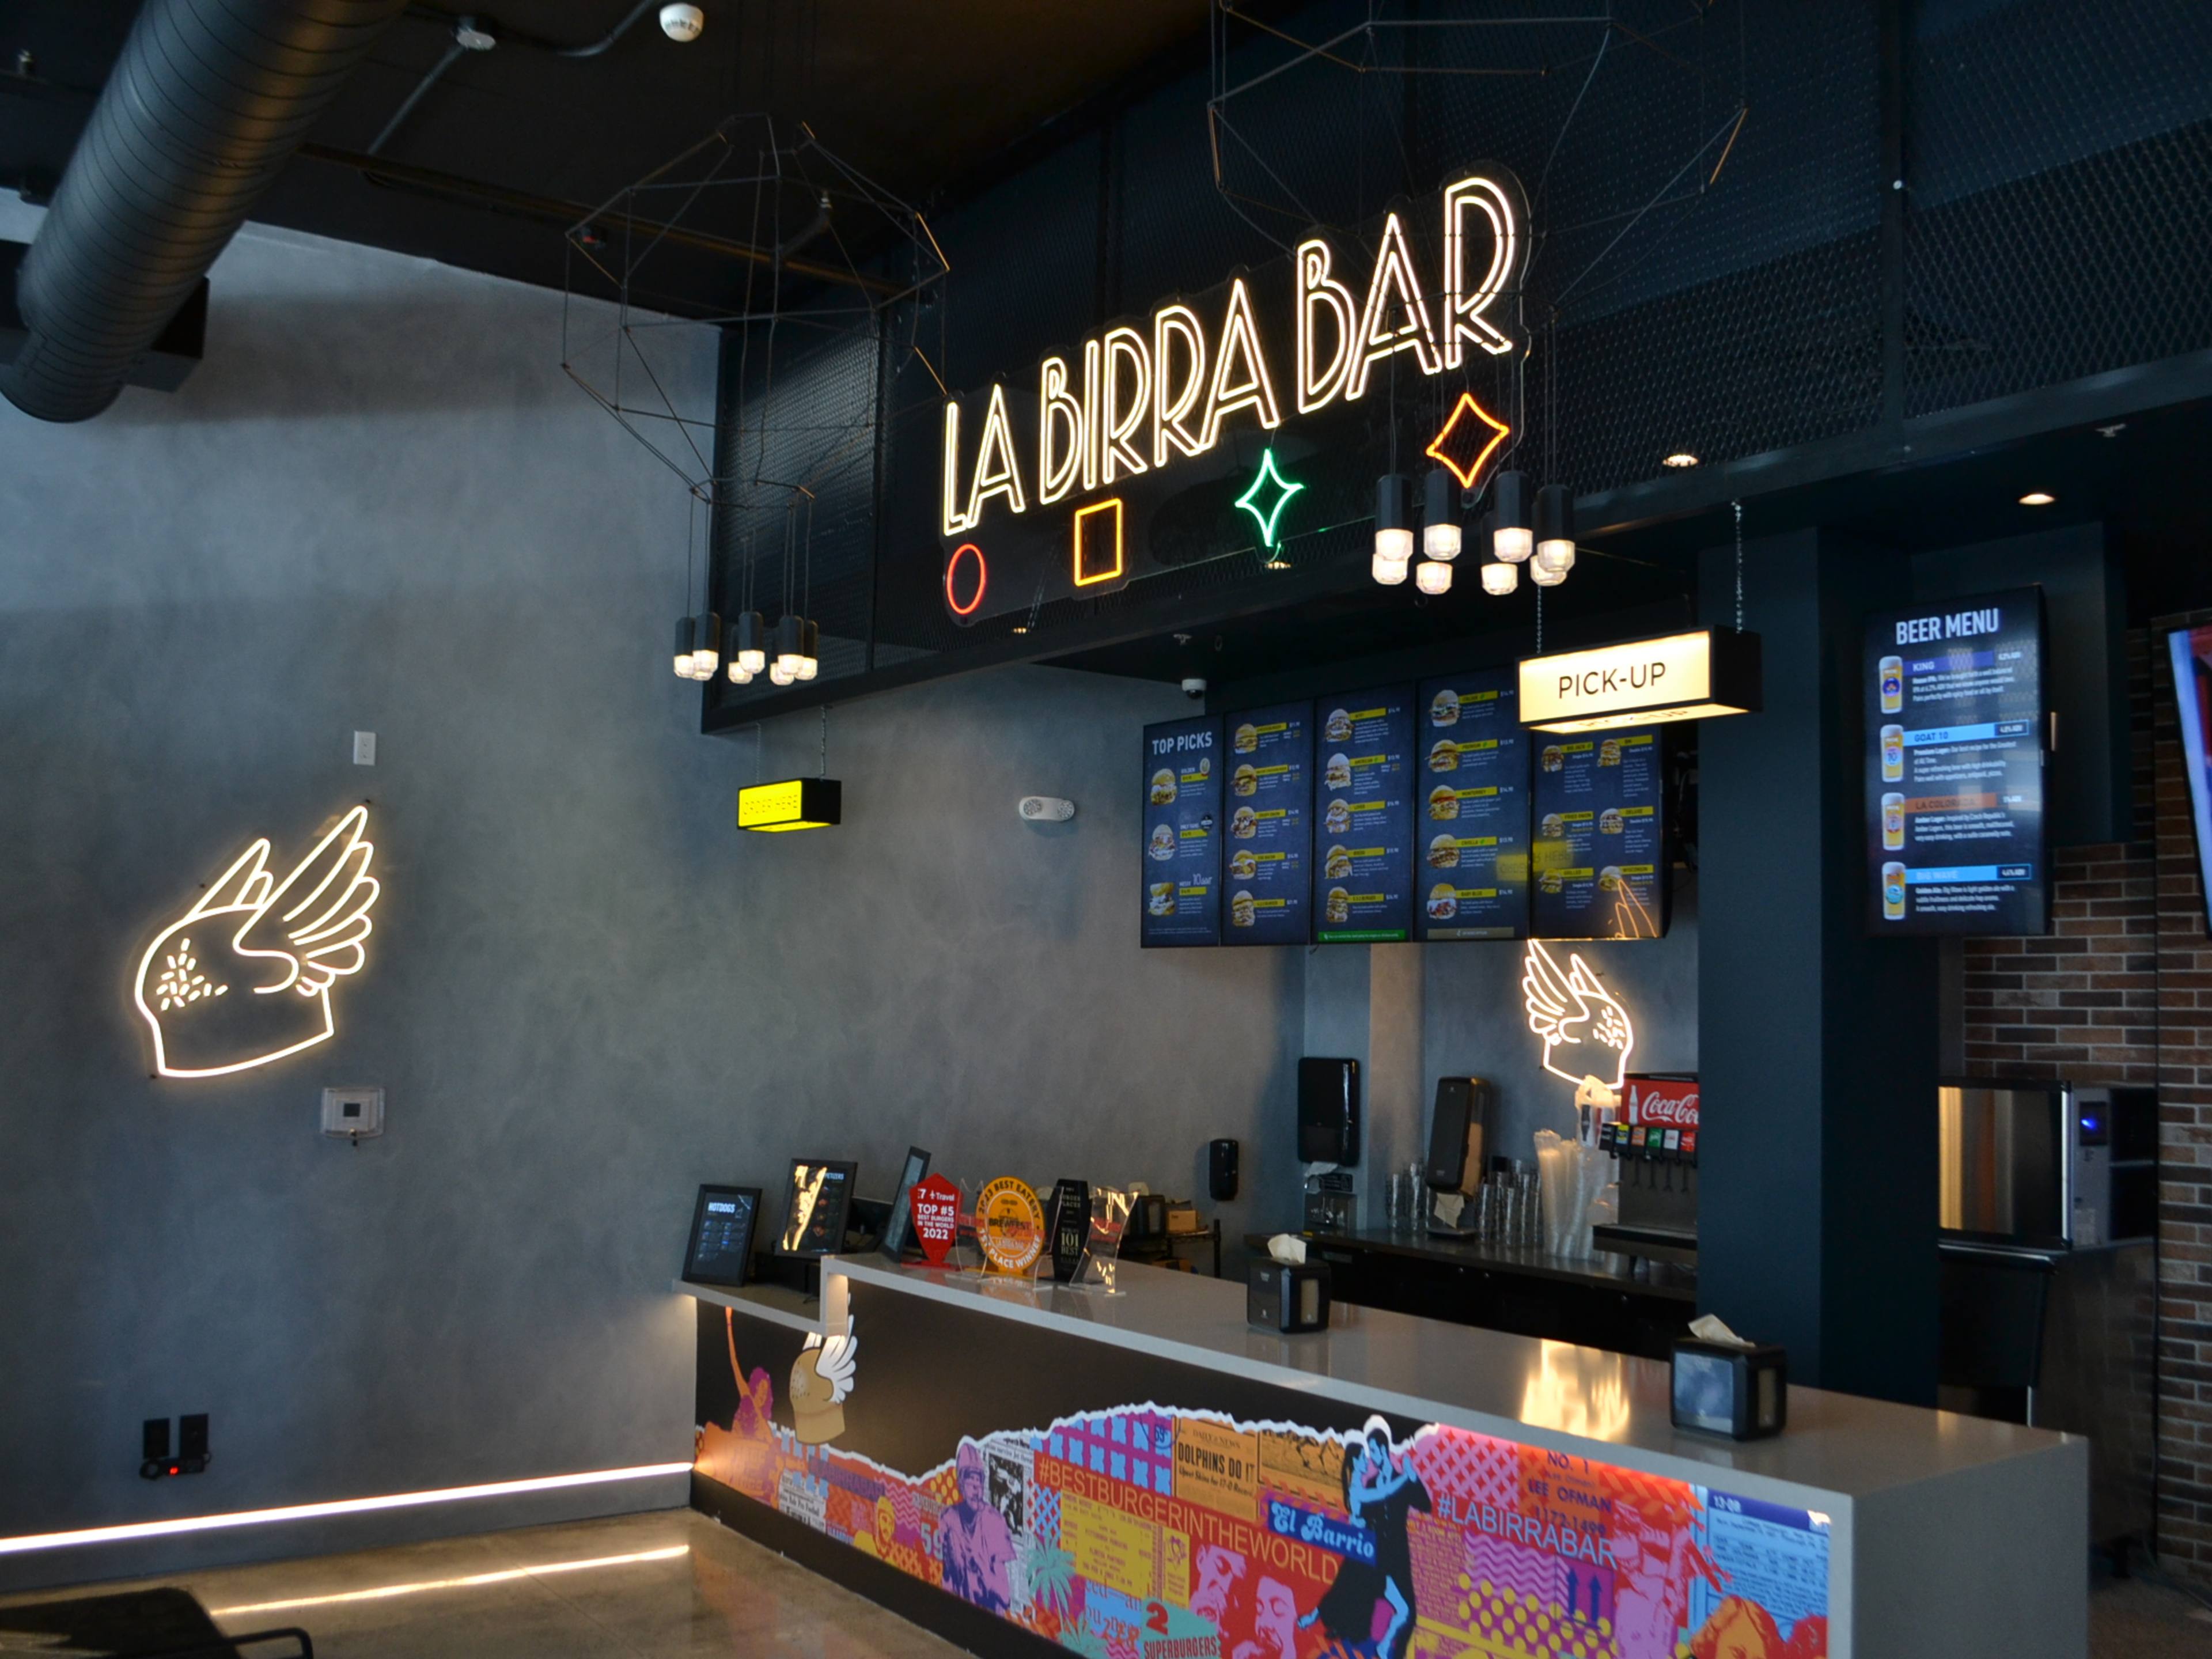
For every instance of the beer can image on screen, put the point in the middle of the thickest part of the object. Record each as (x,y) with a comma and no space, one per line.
(1893,892)
(1893,753)
(1892,684)
(1892,822)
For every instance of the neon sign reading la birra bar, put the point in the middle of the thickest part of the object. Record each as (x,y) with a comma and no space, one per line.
(1165,440)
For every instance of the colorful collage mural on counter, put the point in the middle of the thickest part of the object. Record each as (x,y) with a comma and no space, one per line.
(1156,1533)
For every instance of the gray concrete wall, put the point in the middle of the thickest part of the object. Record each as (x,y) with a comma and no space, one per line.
(379,505)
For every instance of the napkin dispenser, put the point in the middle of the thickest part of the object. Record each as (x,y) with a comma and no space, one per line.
(1736,1388)
(1287,1296)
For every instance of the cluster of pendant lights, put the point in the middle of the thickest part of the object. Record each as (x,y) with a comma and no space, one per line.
(788,651)
(1543,539)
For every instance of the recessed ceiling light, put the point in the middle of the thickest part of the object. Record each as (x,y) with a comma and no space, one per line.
(1679,458)
(2037,498)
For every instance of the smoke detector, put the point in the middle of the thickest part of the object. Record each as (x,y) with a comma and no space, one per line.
(682,24)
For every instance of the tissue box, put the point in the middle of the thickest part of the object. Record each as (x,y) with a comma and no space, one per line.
(1279,1297)
(1719,1387)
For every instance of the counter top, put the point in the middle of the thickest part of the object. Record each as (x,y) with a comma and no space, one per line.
(1498,1258)
(1582,1401)
(777,1303)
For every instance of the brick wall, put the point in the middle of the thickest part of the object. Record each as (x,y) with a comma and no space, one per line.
(2121,992)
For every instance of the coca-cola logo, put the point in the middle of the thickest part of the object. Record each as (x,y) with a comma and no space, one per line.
(1666,1102)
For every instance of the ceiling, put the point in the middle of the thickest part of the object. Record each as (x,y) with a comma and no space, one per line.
(928,99)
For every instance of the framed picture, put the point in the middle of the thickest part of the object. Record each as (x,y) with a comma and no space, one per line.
(720,1247)
(821,1194)
(894,1243)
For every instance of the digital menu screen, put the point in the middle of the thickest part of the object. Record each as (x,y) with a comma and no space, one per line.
(1364,797)
(1183,825)
(1473,871)
(2189,650)
(1955,724)
(1600,835)
(721,1244)
(1268,876)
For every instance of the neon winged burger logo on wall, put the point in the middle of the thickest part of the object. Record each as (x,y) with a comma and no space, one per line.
(244,975)
(1241,419)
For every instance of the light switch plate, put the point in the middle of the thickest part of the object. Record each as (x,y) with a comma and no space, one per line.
(364,749)
(353,1114)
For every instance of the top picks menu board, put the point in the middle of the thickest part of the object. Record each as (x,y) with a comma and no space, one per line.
(1955,724)
(1268,876)
(1183,825)
(1474,765)
(1599,848)
(1363,840)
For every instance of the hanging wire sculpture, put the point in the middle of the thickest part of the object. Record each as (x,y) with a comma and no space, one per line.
(1385,55)
(814,257)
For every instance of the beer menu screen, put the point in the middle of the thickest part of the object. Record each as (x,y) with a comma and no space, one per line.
(1268,851)
(1954,741)
(1364,794)
(1183,833)
(1472,860)
(1598,841)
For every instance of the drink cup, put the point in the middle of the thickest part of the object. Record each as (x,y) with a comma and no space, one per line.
(1892,822)
(1893,753)
(1892,684)
(1893,892)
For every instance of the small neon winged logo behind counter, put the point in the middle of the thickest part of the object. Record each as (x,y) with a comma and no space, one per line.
(244,976)
(1573,1013)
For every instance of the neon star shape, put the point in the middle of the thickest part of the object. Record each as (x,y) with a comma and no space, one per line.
(1268,518)
(1468,442)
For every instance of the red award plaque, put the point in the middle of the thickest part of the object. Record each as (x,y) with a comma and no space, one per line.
(935,1204)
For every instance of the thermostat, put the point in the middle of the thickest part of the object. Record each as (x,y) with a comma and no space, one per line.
(353,1114)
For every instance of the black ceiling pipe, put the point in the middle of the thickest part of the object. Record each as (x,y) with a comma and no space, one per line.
(208,101)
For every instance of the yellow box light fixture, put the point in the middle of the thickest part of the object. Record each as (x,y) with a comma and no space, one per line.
(794,803)
(1680,677)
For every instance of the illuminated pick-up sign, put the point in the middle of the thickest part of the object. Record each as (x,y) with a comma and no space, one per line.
(1134,452)
(1681,677)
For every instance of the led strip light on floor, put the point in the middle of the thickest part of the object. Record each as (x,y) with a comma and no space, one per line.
(397,1500)
(383,1591)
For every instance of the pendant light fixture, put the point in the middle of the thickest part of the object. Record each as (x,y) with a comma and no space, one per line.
(1555,529)
(810,648)
(1394,533)
(1544,575)
(686,668)
(1433,576)
(706,645)
(786,643)
(1499,580)
(1510,538)
(1440,530)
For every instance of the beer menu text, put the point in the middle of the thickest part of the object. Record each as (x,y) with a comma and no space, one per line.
(1954,754)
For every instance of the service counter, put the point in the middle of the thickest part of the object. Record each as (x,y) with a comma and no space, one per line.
(1143,1473)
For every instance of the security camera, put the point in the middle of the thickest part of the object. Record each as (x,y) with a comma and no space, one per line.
(1194,688)
(682,24)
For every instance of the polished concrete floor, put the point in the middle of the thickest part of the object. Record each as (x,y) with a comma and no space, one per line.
(566,1592)
(674,1584)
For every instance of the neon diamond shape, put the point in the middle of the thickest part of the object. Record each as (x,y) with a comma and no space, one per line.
(1469,442)
(1269,517)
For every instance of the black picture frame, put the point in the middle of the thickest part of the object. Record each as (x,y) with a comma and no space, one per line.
(894,1242)
(814,1232)
(702,1267)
